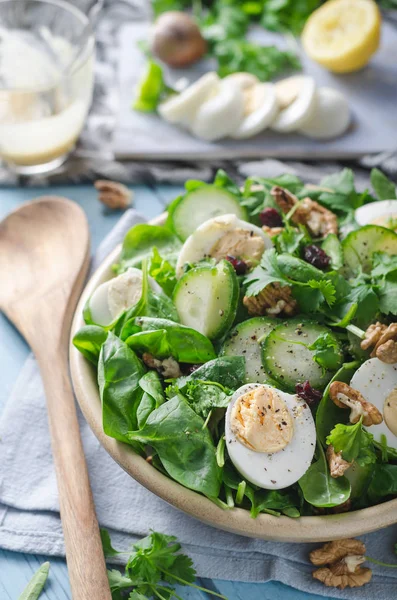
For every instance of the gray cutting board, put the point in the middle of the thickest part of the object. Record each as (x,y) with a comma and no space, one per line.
(372,94)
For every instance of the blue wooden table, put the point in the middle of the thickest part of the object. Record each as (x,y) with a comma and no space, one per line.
(17,569)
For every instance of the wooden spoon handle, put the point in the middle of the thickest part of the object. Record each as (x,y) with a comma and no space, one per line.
(84,553)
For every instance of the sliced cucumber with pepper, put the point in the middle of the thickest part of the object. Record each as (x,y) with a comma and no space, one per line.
(286,358)
(359,246)
(245,340)
(192,209)
(206,299)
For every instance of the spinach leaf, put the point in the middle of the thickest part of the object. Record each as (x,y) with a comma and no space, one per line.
(383,483)
(162,271)
(328,414)
(229,371)
(36,584)
(140,241)
(119,373)
(333,248)
(354,442)
(152,398)
(88,340)
(184,447)
(319,488)
(164,338)
(384,188)
(275,502)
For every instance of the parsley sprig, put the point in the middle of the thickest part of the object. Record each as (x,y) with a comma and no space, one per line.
(153,567)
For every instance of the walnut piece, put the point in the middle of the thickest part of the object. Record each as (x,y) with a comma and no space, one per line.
(337,465)
(272,231)
(113,195)
(372,335)
(383,341)
(332,552)
(319,220)
(341,574)
(168,368)
(274,299)
(345,396)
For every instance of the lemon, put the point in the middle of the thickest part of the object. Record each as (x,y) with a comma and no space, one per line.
(342,35)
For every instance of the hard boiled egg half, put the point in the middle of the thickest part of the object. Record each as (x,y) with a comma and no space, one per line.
(223,236)
(115,296)
(378,213)
(270,435)
(377,382)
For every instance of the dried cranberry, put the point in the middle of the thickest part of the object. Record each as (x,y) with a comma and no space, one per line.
(270,217)
(238,265)
(306,392)
(316,256)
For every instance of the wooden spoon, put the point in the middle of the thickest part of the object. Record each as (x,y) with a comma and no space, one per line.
(44,257)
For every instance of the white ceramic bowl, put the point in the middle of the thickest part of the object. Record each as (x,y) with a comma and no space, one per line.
(237,520)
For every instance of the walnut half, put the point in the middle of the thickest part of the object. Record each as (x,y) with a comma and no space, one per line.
(112,194)
(337,465)
(274,299)
(340,564)
(345,396)
(383,339)
(169,368)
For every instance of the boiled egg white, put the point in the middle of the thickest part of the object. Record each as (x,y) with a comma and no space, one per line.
(243,80)
(220,114)
(222,236)
(331,116)
(377,382)
(181,108)
(115,296)
(297,99)
(260,110)
(270,435)
(378,213)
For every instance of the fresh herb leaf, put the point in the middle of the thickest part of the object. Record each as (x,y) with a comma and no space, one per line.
(383,264)
(108,549)
(287,15)
(384,188)
(36,584)
(184,447)
(388,295)
(354,442)
(204,396)
(326,351)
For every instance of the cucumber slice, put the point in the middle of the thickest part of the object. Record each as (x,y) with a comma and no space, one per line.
(187,212)
(245,340)
(206,299)
(287,361)
(359,246)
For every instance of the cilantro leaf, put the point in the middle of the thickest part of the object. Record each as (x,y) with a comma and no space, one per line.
(204,396)
(388,294)
(137,596)
(153,554)
(108,549)
(326,288)
(265,273)
(354,442)
(182,569)
(117,581)
(384,188)
(383,264)
(290,239)
(326,351)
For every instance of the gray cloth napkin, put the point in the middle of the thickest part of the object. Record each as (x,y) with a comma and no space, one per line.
(29,519)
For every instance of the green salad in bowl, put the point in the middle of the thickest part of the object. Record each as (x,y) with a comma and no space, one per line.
(247,349)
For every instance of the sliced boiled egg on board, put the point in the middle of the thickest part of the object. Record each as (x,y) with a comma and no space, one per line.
(221,114)
(377,382)
(181,108)
(243,80)
(260,110)
(115,296)
(223,236)
(297,99)
(270,435)
(378,213)
(331,116)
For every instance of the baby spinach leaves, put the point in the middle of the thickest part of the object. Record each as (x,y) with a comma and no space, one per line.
(184,446)
(384,188)
(119,373)
(319,488)
(164,338)
(383,483)
(88,340)
(140,241)
(162,271)
(152,398)
(354,442)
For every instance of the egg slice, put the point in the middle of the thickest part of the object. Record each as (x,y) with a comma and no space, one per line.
(270,435)
(181,108)
(377,382)
(243,80)
(378,213)
(297,98)
(221,114)
(331,115)
(115,296)
(222,236)
(260,110)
